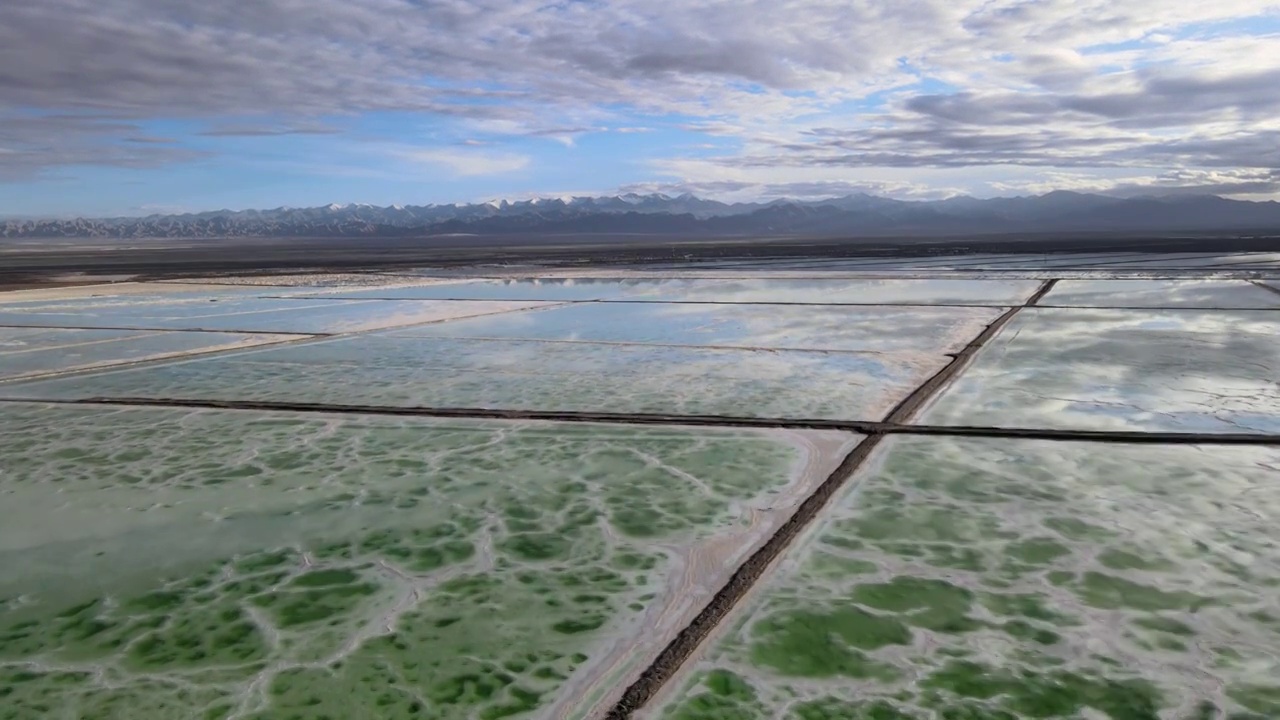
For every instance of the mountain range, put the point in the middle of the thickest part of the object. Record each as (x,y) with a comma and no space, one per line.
(687,215)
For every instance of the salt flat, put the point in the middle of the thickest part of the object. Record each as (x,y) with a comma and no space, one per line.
(282,496)
(246,565)
(1010,579)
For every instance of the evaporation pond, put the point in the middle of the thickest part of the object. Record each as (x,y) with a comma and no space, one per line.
(931,330)
(864,291)
(1161,293)
(1008,579)
(559,289)
(386,370)
(858,291)
(174,564)
(1152,370)
(123,292)
(235,311)
(36,351)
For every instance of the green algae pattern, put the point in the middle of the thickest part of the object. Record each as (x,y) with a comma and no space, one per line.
(996,579)
(159,563)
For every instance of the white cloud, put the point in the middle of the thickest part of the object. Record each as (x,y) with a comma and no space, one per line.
(700,56)
(1013,83)
(468,163)
(1243,184)
(162,209)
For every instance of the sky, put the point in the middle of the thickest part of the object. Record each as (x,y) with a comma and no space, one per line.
(131,107)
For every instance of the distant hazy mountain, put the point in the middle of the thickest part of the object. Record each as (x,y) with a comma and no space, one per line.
(686,215)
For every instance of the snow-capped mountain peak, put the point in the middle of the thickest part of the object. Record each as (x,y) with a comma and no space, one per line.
(852,216)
